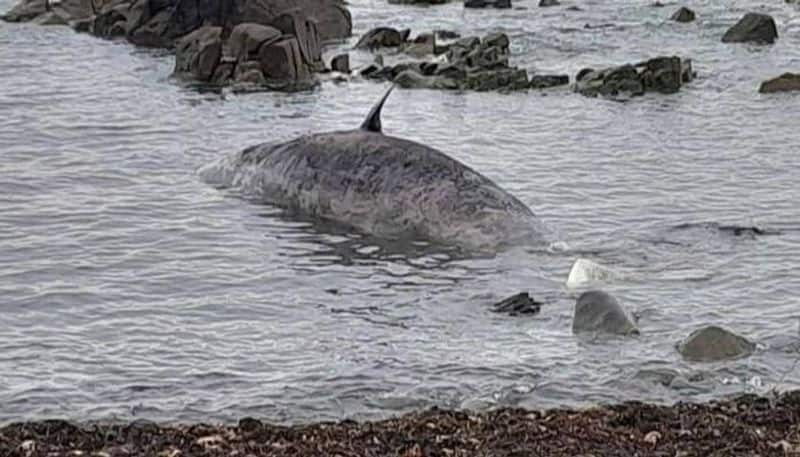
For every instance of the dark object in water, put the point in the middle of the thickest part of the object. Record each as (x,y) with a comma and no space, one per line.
(521,303)
(735,230)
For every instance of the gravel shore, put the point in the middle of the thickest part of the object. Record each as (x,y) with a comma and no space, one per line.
(744,426)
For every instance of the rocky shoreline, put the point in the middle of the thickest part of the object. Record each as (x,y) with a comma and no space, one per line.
(747,425)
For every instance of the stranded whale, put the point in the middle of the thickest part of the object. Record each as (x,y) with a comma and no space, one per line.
(381,185)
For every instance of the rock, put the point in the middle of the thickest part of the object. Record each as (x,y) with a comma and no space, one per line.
(381,37)
(547,81)
(26,10)
(282,61)
(305,31)
(247,38)
(341,63)
(410,79)
(521,303)
(783,83)
(424,44)
(447,35)
(662,74)
(753,27)
(597,311)
(711,344)
(487,3)
(684,14)
(546,3)
(154,32)
(50,18)
(419,2)
(507,79)
(198,53)
(224,71)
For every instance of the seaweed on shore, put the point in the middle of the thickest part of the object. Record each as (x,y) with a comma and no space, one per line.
(744,426)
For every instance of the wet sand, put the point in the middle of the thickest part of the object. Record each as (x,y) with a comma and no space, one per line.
(744,426)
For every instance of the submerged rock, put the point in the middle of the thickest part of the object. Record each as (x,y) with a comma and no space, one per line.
(597,311)
(521,303)
(711,344)
(665,75)
(546,3)
(487,3)
(546,81)
(783,83)
(684,14)
(753,27)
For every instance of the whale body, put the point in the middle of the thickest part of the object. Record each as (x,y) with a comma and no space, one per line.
(383,186)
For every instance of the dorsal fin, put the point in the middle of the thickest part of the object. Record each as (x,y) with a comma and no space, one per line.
(373,121)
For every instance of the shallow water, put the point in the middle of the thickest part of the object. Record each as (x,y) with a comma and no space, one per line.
(132,289)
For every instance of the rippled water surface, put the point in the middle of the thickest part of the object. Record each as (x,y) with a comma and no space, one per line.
(130,288)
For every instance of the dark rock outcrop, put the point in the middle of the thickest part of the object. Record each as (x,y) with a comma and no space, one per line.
(665,75)
(684,14)
(783,83)
(753,27)
(599,312)
(216,41)
(546,3)
(711,344)
(487,3)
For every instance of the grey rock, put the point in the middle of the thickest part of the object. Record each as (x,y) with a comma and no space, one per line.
(683,14)
(424,44)
(341,63)
(247,38)
(546,81)
(304,29)
(487,3)
(546,3)
(597,311)
(198,53)
(662,74)
(51,18)
(380,37)
(411,79)
(753,27)
(711,344)
(783,83)
(282,61)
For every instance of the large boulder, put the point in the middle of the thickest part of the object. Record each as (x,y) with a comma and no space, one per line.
(783,83)
(753,27)
(665,75)
(597,311)
(711,344)
(198,53)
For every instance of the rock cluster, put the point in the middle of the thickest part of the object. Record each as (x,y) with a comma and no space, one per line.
(665,75)
(470,63)
(217,41)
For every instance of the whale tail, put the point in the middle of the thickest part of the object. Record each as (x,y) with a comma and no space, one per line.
(373,121)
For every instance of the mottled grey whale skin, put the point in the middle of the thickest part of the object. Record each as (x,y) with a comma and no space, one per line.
(384,186)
